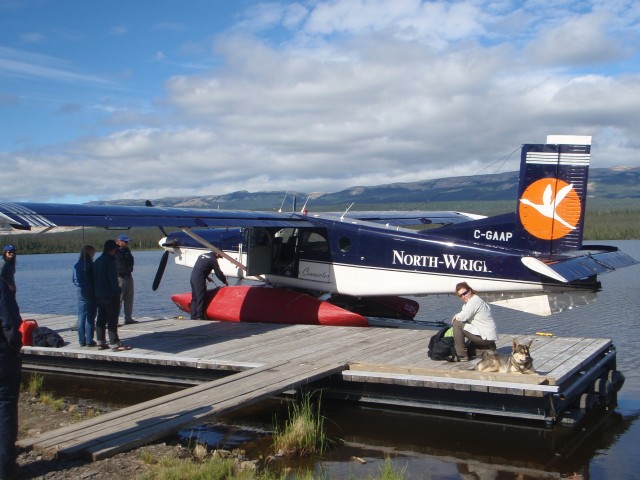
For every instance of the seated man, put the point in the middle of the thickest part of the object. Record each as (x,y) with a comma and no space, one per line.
(474,323)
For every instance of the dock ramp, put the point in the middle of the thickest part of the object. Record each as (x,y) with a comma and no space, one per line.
(144,423)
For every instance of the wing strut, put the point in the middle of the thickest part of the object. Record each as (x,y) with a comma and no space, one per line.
(215,249)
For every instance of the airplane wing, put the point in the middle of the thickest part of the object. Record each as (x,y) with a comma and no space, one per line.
(23,216)
(26,215)
(413,217)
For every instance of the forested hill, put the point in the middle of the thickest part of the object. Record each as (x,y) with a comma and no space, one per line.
(604,183)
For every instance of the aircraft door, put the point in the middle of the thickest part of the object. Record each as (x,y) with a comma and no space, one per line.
(315,256)
(259,252)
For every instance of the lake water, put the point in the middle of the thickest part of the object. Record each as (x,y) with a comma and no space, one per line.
(426,446)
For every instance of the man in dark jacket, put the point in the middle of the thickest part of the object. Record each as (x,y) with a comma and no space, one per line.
(10,372)
(199,277)
(105,276)
(8,273)
(124,263)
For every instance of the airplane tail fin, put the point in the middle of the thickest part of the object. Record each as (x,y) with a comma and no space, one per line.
(547,226)
(552,194)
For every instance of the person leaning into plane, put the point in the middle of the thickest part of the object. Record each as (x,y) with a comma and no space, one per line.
(474,323)
(199,278)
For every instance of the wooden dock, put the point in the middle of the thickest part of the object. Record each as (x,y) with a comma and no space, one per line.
(382,366)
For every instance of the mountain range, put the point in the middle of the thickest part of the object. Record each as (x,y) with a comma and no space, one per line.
(604,183)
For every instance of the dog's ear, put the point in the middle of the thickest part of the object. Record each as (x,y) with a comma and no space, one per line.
(515,343)
(528,344)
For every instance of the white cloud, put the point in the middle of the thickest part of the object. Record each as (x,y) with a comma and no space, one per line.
(582,40)
(24,64)
(321,96)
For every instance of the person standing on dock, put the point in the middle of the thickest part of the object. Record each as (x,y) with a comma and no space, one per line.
(474,323)
(125,261)
(8,273)
(107,298)
(10,373)
(199,278)
(83,280)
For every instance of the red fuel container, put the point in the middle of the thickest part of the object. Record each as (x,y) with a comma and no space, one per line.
(27,328)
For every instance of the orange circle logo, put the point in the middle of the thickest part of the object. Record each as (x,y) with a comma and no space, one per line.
(550,209)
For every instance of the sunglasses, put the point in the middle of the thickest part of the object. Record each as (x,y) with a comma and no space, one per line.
(463,293)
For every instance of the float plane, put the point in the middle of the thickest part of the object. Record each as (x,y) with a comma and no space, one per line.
(338,268)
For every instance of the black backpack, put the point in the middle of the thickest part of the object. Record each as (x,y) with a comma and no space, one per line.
(441,347)
(45,337)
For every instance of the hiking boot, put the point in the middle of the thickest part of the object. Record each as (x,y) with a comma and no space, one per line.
(130,322)
(457,358)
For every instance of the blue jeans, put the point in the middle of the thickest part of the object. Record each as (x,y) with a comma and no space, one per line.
(108,310)
(10,372)
(86,317)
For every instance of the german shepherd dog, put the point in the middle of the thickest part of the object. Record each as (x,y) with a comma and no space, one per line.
(519,361)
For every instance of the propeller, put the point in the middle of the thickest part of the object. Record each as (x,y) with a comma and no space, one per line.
(163,260)
(160,271)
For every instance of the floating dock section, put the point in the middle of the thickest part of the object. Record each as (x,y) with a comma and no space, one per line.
(234,364)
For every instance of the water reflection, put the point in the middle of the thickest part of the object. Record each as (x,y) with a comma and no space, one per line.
(417,442)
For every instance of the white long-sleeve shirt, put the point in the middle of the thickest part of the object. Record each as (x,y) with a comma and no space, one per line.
(477,317)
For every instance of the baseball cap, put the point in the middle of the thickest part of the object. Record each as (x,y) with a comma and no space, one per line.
(122,238)
(9,248)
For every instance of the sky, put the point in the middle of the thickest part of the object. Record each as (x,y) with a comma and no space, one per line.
(148,99)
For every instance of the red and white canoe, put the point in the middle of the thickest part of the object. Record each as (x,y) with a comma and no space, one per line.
(271,305)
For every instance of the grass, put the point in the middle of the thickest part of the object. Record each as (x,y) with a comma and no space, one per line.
(48,399)
(34,385)
(388,472)
(303,433)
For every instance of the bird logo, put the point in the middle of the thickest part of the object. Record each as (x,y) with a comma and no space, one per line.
(550,209)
